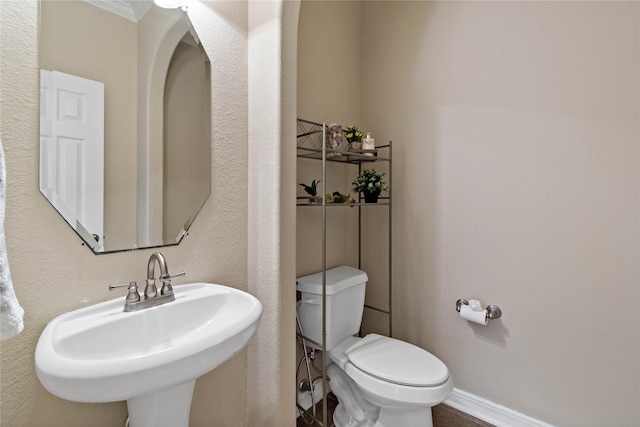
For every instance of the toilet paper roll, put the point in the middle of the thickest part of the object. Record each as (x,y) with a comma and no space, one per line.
(479,317)
(475,305)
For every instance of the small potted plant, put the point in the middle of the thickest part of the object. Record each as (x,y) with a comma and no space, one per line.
(371,184)
(354,136)
(312,191)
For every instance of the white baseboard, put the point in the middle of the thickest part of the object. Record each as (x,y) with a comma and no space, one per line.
(490,412)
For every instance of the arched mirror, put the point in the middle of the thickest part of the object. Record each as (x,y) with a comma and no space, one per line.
(125,121)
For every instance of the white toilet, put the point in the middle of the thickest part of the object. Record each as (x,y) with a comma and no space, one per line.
(379,381)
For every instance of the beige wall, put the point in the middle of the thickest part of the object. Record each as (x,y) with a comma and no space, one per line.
(329,72)
(516,183)
(86,41)
(187,130)
(53,273)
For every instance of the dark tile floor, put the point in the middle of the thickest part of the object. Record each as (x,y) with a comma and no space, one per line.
(443,416)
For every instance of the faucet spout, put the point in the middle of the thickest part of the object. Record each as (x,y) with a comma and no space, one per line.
(151,291)
(162,262)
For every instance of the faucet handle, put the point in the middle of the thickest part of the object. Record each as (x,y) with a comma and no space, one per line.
(167,289)
(133,295)
(169,276)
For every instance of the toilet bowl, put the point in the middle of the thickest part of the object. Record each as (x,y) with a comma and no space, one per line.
(401,381)
(379,381)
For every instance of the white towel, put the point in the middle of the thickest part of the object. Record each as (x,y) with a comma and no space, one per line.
(10,310)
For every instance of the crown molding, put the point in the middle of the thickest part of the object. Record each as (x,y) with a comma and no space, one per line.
(128,9)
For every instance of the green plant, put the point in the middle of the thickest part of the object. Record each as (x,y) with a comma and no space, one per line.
(353,134)
(312,189)
(338,197)
(370,181)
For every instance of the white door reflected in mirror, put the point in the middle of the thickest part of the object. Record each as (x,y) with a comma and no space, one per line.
(72,150)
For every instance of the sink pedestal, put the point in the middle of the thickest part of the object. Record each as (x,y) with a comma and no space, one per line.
(168,408)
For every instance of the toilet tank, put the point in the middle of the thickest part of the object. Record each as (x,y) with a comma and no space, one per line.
(345,304)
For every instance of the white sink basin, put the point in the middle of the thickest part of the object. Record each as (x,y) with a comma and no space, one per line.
(102,354)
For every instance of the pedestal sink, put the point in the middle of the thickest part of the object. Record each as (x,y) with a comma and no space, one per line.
(151,358)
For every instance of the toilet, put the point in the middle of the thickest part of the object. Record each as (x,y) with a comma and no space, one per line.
(379,381)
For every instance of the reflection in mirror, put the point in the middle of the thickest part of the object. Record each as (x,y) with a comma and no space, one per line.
(125,130)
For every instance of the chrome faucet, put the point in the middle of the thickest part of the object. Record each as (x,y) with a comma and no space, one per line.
(152,297)
(150,291)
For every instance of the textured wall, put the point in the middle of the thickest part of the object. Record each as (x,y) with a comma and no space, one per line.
(271,256)
(517,183)
(52,272)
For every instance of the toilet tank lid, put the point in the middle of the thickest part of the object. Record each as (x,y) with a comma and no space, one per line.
(338,279)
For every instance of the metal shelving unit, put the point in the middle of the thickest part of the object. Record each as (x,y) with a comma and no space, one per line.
(311,144)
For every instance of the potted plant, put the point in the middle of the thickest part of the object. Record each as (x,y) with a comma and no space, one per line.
(312,191)
(371,184)
(354,136)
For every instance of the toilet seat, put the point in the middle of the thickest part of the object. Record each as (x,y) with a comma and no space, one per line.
(397,361)
(384,392)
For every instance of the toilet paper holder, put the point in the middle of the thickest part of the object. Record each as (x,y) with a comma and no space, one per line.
(493,311)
